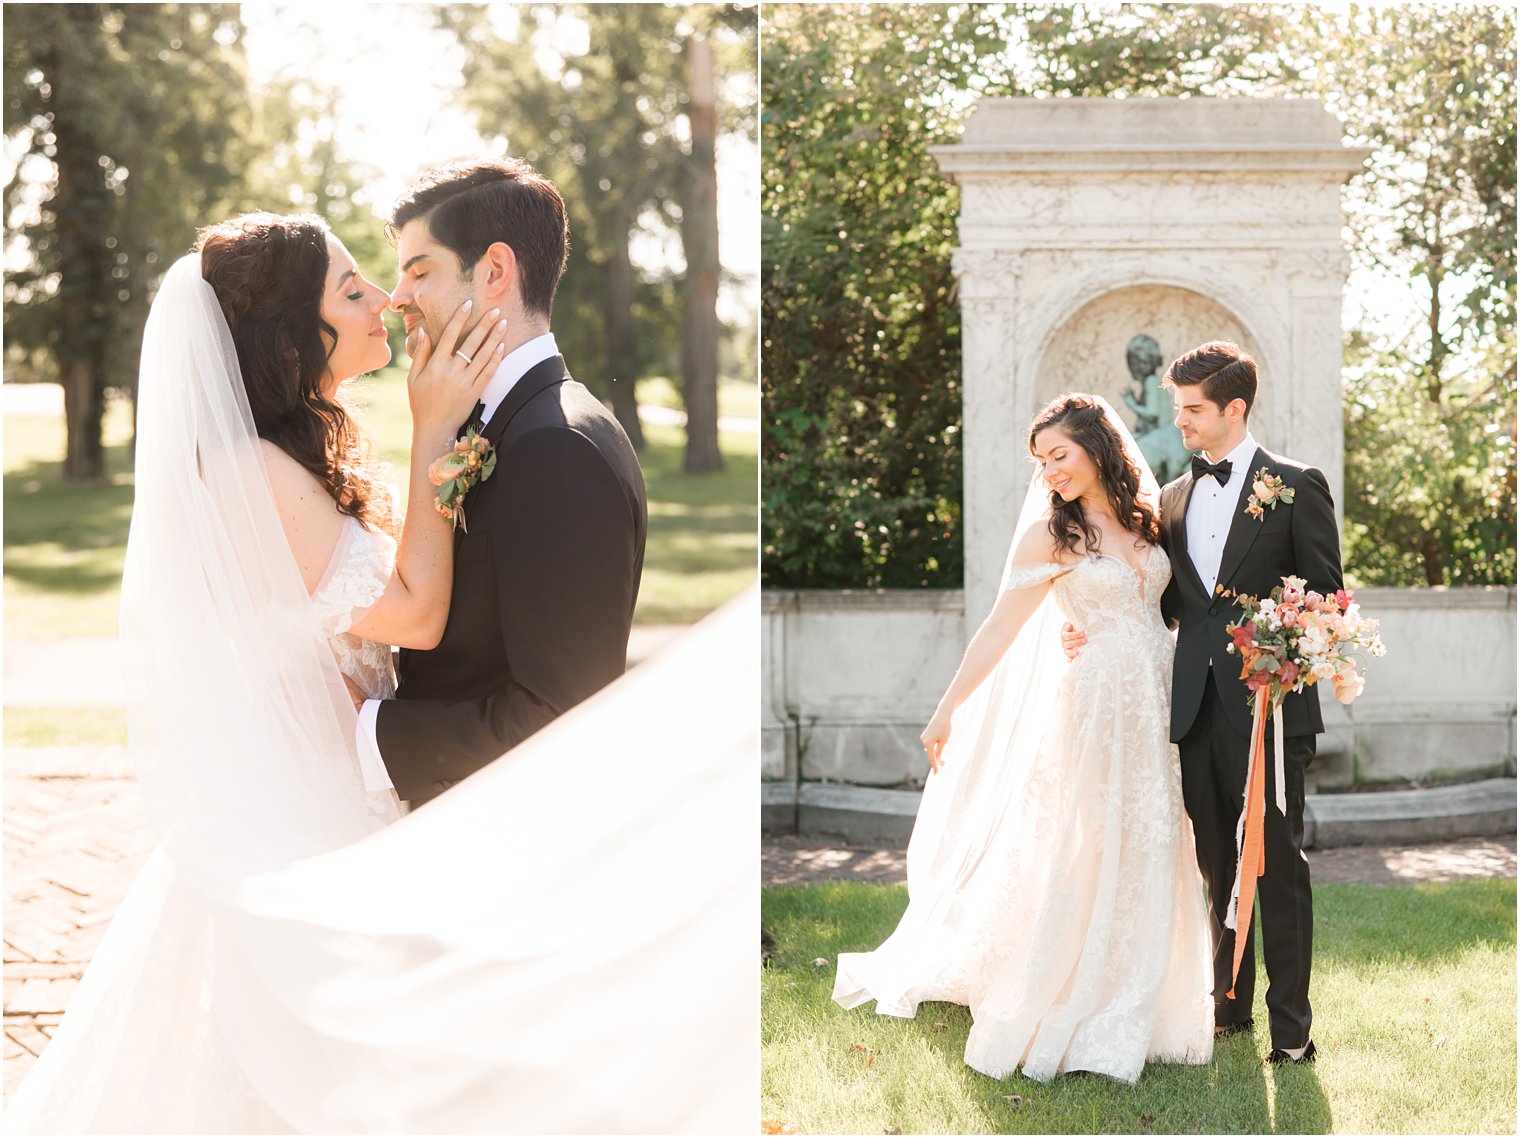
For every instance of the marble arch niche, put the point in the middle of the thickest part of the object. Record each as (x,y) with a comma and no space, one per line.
(1118,346)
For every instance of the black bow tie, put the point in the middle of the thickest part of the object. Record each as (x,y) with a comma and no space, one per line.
(1220,470)
(480,409)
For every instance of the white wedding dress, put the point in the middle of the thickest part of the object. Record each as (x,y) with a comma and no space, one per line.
(1051,877)
(158,1061)
(559,944)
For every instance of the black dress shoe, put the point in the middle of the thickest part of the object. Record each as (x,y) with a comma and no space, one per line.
(1278,1055)
(1224,1031)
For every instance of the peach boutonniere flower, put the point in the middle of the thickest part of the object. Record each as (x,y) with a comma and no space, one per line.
(1267,490)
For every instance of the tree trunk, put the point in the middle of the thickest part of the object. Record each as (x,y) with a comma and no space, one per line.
(620,356)
(82,206)
(1431,555)
(699,237)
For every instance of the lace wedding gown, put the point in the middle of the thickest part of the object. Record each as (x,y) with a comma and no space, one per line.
(1076,931)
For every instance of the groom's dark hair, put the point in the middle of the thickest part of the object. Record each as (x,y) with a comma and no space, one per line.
(471,205)
(1224,370)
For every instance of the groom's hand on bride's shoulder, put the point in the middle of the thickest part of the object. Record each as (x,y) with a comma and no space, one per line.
(1072,641)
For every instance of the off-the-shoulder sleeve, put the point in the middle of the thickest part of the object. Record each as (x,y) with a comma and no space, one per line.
(356,577)
(1023,576)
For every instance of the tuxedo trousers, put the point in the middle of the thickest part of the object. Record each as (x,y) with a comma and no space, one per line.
(1215,756)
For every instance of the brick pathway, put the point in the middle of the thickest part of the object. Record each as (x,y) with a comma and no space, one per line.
(800,860)
(75,835)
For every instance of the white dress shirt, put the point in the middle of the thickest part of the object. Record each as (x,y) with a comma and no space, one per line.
(516,365)
(1211,512)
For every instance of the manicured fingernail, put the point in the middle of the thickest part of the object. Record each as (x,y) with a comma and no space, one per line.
(502,323)
(501,349)
(465,307)
(493,314)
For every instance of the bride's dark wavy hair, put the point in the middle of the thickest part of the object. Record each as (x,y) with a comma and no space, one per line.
(268,272)
(1082,419)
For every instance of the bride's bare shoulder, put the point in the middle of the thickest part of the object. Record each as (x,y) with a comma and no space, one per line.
(310,517)
(1037,546)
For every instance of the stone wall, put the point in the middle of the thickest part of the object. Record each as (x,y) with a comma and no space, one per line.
(852,677)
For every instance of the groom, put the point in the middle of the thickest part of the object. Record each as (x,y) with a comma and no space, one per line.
(1215,546)
(546,577)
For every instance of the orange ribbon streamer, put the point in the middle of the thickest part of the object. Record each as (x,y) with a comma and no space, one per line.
(1252,847)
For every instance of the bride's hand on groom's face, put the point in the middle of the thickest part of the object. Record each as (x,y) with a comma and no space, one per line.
(447,378)
(1071,641)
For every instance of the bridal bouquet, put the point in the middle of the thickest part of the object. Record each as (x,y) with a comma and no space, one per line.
(1287,641)
(1297,637)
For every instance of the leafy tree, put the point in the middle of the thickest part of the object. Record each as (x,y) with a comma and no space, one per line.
(1430,483)
(860,349)
(1430,409)
(131,121)
(597,98)
(1432,91)
(858,229)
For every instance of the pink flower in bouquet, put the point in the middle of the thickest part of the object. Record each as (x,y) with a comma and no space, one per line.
(1288,614)
(1288,674)
(462,446)
(1292,591)
(1242,637)
(1313,600)
(1259,681)
(1342,599)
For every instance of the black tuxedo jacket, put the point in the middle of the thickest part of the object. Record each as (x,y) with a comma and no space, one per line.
(1298,538)
(545,582)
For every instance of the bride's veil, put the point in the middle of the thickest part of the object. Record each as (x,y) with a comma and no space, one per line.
(240,725)
(995,740)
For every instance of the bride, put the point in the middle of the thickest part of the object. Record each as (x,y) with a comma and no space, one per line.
(292,957)
(1051,880)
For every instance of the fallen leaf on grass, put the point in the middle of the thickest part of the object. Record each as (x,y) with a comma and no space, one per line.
(942,1027)
(1014,1101)
(819,961)
(891,1129)
(771,1127)
(1147,1120)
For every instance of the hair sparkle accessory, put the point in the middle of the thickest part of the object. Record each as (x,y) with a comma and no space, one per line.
(470,463)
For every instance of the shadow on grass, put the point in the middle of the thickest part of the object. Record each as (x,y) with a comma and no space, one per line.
(1396,966)
(67,537)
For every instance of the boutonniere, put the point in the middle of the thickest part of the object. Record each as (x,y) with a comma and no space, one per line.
(470,463)
(1267,490)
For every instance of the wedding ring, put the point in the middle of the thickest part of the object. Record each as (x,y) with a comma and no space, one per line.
(465,358)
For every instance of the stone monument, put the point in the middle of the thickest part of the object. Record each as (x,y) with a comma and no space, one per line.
(1085,223)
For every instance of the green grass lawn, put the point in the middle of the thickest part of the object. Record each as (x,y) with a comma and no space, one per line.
(64,544)
(1414,1005)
